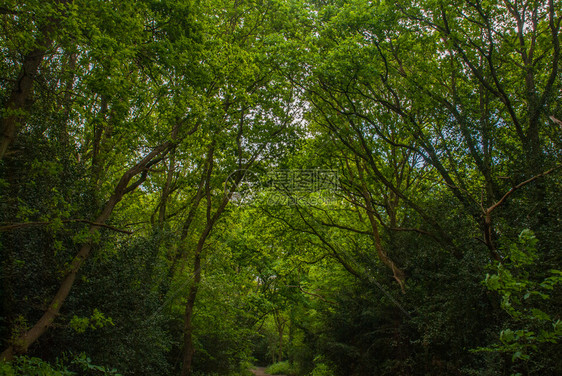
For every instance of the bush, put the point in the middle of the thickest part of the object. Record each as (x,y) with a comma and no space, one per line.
(321,369)
(280,368)
(534,324)
(26,366)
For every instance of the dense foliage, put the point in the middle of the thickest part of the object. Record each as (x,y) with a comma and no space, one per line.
(326,187)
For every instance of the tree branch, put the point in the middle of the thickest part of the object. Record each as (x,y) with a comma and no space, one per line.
(520,185)
(15,226)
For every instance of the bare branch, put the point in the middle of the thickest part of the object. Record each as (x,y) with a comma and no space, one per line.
(15,226)
(312,294)
(556,121)
(520,185)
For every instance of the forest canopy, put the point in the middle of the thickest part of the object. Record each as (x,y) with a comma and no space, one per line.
(327,187)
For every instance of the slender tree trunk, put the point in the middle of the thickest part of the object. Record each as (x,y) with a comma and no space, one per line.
(189,349)
(280,323)
(102,133)
(166,191)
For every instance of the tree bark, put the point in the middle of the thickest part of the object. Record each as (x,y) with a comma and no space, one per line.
(18,102)
(398,273)
(166,191)
(189,349)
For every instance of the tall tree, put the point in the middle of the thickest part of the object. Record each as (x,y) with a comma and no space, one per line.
(109,118)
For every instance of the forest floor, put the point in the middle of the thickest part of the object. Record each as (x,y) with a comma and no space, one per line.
(260,371)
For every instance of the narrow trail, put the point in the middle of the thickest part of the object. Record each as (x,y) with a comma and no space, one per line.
(260,371)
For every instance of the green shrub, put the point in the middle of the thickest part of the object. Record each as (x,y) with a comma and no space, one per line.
(525,297)
(280,368)
(26,366)
(84,363)
(321,369)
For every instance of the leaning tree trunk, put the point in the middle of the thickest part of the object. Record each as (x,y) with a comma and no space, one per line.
(398,273)
(22,343)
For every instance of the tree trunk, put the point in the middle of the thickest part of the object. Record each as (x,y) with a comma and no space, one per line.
(18,101)
(280,324)
(166,191)
(398,273)
(189,349)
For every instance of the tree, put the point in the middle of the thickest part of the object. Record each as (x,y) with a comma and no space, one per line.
(109,107)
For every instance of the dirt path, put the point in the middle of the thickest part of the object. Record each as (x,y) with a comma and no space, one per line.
(260,371)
